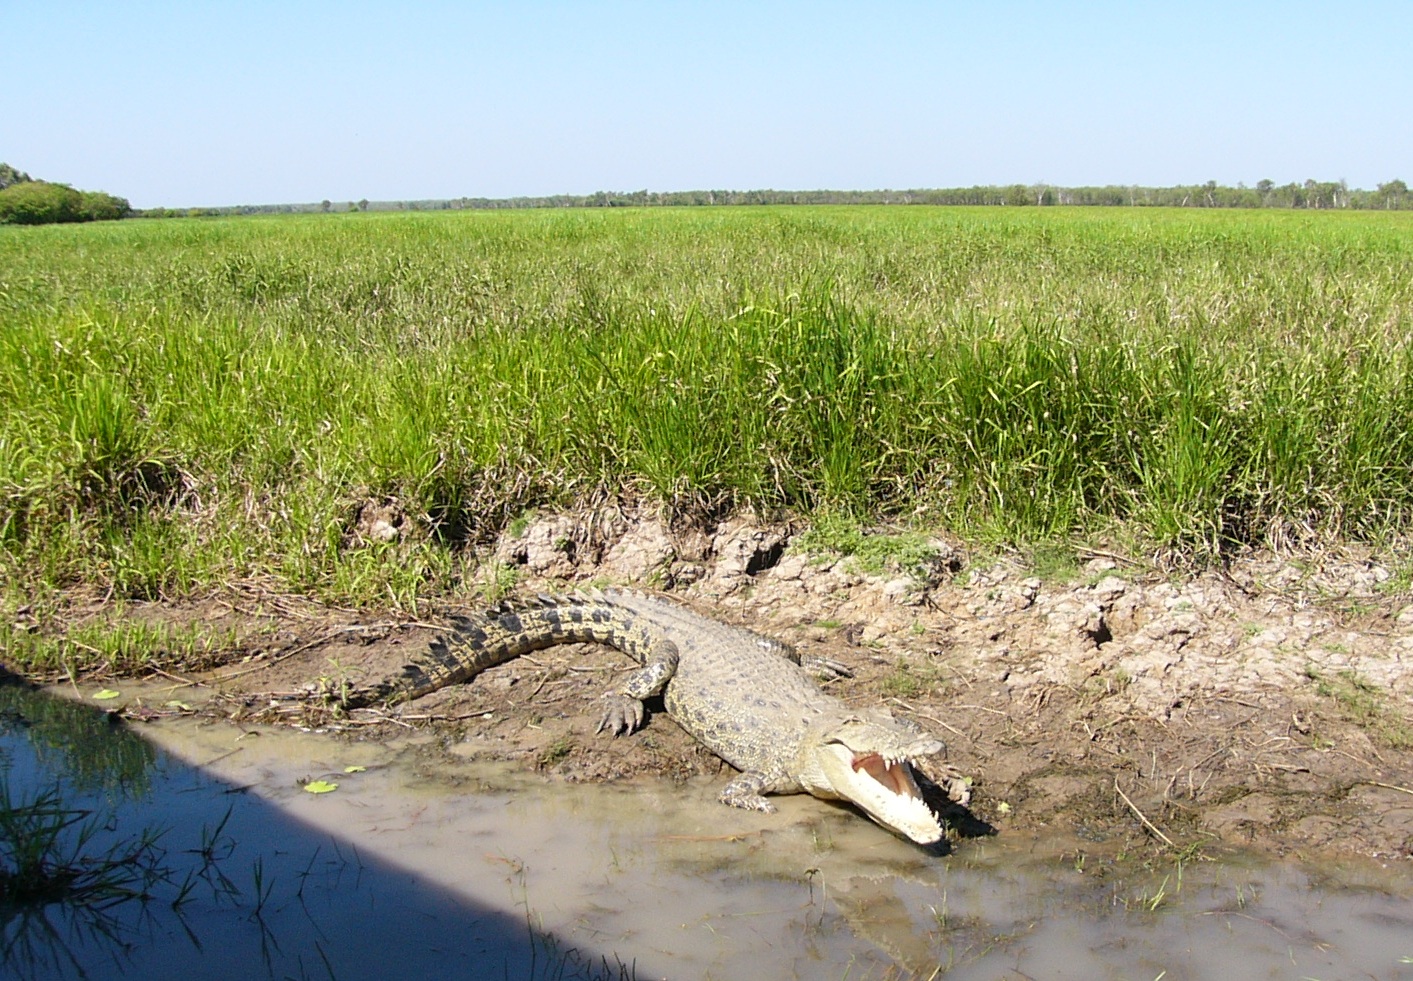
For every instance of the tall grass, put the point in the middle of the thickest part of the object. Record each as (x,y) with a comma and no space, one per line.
(189,402)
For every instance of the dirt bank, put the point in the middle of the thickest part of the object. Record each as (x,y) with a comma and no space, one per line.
(1264,706)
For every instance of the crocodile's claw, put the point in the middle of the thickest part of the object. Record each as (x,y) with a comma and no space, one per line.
(745,792)
(621,714)
(826,668)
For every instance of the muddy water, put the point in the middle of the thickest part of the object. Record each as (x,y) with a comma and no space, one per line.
(452,869)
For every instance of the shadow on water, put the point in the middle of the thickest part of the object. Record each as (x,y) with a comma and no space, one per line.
(118,860)
(425,862)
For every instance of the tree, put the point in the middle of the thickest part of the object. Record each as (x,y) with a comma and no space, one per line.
(9,175)
(26,201)
(363,205)
(97,206)
(1394,193)
(39,203)
(1017,194)
(326,205)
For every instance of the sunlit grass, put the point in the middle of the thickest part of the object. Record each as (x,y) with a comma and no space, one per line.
(115,644)
(189,403)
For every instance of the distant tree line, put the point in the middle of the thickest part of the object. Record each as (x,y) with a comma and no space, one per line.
(1393,195)
(1266,194)
(25,201)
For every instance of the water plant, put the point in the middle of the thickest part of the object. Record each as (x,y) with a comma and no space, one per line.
(45,855)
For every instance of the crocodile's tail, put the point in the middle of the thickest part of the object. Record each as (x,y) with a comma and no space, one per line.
(479,641)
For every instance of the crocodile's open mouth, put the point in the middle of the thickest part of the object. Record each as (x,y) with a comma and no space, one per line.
(896,776)
(884,789)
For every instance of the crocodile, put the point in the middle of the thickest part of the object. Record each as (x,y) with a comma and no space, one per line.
(743,695)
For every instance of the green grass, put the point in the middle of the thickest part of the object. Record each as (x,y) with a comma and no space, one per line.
(1365,704)
(871,551)
(116,644)
(185,404)
(912,680)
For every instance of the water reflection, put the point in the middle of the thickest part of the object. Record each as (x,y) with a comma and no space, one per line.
(156,869)
(88,750)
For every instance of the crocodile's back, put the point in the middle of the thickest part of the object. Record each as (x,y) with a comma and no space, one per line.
(740,693)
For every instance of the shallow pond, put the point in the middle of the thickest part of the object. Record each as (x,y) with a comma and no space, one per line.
(456,869)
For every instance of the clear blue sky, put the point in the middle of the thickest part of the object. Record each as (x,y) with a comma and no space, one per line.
(213,103)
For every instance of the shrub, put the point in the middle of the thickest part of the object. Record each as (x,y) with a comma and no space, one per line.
(39,203)
(42,203)
(98,206)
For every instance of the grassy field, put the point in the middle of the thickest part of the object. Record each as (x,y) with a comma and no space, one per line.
(185,404)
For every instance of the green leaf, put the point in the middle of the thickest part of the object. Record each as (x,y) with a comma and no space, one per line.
(354,769)
(320,787)
(106,694)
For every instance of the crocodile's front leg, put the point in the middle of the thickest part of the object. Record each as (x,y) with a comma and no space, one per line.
(748,791)
(623,709)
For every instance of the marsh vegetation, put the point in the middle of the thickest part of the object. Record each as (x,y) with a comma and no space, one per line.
(189,405)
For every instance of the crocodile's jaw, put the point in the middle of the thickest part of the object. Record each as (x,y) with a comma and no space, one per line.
(883,789)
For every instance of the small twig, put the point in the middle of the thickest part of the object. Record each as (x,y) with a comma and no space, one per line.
(101,671)
(324,639)
(226,754)
(269,664)
(1355,758)
(380,717)
(545,679)
(737,837)
(1386,786)
(1142,817)
(1095,553)
(1237,701)
(1244,916)
(982,708)
(184,682)
(930,718)
(1210,756)
(473,714)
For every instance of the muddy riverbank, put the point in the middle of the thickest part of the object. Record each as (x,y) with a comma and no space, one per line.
(1111,707)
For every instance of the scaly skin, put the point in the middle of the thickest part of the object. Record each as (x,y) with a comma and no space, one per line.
(743,695)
